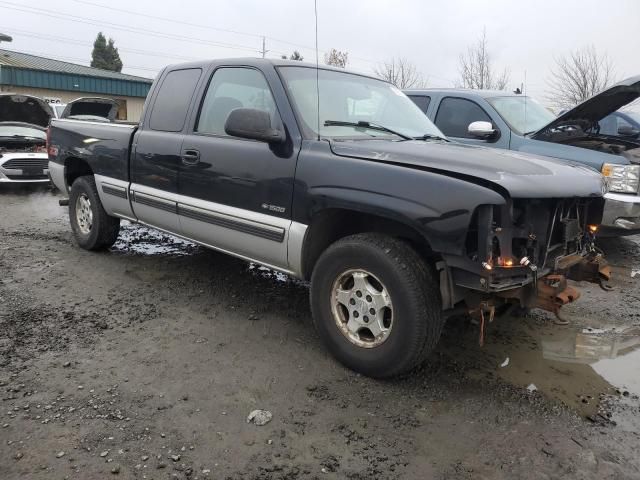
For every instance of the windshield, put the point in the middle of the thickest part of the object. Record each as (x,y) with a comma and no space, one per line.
(634,115)
(522,114)
(347,97)
(20,131)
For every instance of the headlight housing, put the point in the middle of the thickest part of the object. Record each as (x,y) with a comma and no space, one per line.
(622,178)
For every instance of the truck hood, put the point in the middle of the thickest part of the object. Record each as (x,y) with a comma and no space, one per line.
(597,107)
(511,173)
(88,107)
(24,109)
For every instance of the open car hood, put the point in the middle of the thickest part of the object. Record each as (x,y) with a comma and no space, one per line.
(20,108)
(87,107)
(597,107)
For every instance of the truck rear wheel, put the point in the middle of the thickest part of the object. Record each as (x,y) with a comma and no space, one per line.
(92,227)
(376,304)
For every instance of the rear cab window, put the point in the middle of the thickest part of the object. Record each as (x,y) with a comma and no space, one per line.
(173,99)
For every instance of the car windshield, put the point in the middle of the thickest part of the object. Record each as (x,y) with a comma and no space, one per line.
(522,114)
(634,115)
(21,131)
(352,98)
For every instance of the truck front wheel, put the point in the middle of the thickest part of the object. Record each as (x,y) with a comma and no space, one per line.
(376,304)
(92,228)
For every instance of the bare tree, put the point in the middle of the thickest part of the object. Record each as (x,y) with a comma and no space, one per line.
(336,58)
(578,76)
(294,56)
(401,72)
(476,68)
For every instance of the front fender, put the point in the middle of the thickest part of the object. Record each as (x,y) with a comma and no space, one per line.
(437,206)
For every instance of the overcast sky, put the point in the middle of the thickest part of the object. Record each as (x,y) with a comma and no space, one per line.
(523,36)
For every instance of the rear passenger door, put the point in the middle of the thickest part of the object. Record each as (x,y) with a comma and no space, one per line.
(454,115)
(156,151)
(235,194)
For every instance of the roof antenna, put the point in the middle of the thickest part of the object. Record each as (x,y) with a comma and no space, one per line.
(524,91)
(315,5)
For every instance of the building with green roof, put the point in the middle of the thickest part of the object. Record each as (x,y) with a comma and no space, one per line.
(60,82)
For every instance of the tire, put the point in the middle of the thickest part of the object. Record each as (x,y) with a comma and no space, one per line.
(92,228)
(414,323)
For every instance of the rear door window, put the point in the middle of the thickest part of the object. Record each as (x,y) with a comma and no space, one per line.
(172,102)
(422,101)
(455,114)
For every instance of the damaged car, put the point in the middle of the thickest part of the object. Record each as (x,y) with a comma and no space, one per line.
(501,119)
(96,109)
(23,153)
(338,179)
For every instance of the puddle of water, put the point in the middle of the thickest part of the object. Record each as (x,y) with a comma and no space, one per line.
(580,365)
(140,240)
(584,367)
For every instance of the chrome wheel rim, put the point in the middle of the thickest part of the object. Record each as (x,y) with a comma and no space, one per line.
(362,308)
(84,214)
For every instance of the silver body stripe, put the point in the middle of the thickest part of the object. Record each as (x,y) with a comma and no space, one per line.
(57,174)
(266,239)
(115,205)
(295,242)
(229,252)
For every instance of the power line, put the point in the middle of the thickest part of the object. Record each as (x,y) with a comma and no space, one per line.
(165,19)
(182,38)
(126,28)
(75,41)
(173,21)
(190,24)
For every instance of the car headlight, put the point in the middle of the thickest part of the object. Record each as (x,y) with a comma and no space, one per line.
(622,178)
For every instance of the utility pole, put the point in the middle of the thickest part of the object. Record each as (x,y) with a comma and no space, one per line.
(264,49)
(3,38)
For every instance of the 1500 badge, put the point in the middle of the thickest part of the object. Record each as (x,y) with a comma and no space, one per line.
(273,208)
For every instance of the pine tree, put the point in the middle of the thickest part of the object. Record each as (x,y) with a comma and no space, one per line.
(105,54)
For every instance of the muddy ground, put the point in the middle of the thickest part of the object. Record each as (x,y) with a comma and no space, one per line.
(143,362)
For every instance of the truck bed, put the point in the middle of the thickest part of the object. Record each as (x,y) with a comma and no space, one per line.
(105,143)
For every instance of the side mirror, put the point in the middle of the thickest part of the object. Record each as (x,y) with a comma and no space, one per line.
(481,129)
(627,130)
(253,124)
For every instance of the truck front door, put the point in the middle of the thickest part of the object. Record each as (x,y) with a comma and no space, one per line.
(236,194)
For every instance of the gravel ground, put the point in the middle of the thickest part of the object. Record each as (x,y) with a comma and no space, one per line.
(145,362)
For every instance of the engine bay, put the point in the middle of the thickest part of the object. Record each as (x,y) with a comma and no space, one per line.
(577,136)
(22,146)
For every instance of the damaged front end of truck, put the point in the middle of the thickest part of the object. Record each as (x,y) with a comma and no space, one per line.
(522,253)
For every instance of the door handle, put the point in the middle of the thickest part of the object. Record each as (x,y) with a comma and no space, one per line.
(190,156)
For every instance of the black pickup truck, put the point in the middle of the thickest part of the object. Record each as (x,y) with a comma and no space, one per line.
(339,179)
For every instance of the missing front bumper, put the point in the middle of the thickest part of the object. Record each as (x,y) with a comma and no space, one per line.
(552,291)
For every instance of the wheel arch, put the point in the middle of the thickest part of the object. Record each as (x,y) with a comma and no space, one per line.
(75,167)
(330,225)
